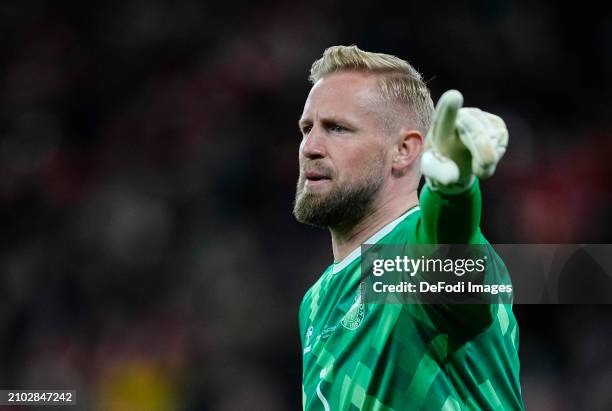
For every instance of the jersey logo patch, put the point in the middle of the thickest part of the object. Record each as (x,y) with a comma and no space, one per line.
(353,318)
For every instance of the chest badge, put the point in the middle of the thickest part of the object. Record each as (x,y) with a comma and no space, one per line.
(353,318)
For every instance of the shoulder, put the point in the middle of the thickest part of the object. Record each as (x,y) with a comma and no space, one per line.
(403,229)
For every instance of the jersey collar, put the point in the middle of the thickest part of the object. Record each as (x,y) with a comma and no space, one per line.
(339,266)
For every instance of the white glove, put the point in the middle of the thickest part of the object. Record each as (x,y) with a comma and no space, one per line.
(461,143)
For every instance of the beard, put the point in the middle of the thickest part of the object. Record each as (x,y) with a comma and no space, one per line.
(344,205)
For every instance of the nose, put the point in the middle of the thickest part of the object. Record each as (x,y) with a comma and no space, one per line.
(312,146)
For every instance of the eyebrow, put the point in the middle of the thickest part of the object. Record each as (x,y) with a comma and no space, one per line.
(327,120)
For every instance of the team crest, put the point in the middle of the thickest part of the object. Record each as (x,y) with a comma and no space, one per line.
(353,318)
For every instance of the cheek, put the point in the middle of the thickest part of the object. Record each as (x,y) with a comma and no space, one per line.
(357,164)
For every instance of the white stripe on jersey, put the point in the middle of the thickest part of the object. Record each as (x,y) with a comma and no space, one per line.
(372,240)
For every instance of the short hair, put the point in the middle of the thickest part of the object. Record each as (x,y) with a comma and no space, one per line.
(398,81)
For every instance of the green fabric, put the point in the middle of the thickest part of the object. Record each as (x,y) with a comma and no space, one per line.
(410,357)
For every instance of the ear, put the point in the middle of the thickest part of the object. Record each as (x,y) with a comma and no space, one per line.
(407,151)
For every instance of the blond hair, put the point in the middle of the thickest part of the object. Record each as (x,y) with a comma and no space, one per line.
(398,81)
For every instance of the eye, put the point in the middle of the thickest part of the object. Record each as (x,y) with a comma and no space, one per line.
(336,128)
(306,129)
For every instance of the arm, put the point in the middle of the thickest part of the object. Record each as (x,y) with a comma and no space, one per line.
(450,219)
(462,144)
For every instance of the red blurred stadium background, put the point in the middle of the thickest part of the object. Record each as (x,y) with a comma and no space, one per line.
(148,159)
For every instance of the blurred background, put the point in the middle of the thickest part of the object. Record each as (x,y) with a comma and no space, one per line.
(148,160)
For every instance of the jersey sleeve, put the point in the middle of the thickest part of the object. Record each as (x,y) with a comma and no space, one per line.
(450,219)
(455,219)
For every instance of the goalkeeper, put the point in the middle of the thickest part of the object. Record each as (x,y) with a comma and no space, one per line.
(361,157)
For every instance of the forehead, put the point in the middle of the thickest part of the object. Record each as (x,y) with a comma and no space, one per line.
(343,94)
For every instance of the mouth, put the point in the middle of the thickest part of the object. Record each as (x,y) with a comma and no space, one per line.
(315,179)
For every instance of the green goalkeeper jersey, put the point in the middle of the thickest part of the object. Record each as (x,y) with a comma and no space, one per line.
(409,357)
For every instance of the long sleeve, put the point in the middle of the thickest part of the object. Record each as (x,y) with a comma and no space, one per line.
(454,219)
(450,219)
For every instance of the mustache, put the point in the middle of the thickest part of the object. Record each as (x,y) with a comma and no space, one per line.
(316,167)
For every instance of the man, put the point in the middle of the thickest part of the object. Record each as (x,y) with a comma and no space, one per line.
(363,128)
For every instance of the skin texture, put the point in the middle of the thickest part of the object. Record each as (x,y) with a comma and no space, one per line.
(367,174)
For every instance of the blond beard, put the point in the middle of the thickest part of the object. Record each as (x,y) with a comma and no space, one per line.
(344,205)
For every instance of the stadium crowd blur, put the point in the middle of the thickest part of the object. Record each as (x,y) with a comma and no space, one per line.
(148,159)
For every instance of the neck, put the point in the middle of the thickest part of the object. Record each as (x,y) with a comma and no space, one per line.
(346,239)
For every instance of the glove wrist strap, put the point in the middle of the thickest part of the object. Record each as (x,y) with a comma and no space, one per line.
(453,188)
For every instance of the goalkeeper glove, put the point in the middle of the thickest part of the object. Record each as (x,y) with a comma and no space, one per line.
(461,143)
